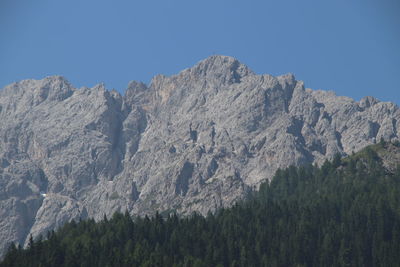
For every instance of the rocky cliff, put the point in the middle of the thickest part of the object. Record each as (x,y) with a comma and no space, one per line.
(194,141)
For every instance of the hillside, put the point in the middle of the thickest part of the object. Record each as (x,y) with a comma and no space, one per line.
(344,213)
(192,142)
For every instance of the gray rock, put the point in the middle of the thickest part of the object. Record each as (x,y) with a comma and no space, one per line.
(192,142)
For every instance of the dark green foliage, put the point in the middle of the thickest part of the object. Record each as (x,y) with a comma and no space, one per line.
(346,213)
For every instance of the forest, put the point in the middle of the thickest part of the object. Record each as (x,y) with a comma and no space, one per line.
(345,212)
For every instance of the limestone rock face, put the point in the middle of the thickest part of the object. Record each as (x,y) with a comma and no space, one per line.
(192,142)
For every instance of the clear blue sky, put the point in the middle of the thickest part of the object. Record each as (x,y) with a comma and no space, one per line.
(349,46)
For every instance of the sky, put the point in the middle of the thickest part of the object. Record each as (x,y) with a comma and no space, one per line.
(349,46)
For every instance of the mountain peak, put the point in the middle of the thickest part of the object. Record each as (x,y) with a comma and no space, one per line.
(218,59)
(53,88)
(218,71)
(224,68)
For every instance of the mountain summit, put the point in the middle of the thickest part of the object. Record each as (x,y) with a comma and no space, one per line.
(194,141)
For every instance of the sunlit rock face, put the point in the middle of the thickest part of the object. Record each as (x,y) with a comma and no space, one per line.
(192,142)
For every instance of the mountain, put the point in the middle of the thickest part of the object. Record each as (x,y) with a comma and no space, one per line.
(344,213)
(195,141)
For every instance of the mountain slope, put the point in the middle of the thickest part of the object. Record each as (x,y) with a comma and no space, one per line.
(344,213)
(194,141)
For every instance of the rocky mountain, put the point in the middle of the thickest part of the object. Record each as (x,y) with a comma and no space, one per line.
(194,141)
